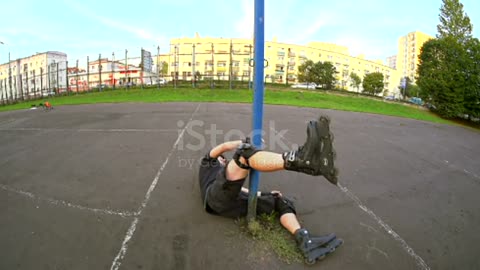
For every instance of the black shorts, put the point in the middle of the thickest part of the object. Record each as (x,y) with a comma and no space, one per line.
(225,198)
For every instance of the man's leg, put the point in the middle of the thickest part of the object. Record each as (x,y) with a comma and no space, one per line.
(315,157)
(263,161)
(290,222)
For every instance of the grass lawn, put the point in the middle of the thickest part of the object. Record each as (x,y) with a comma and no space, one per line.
(314,99)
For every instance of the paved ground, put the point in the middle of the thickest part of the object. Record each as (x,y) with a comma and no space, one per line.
(114,186)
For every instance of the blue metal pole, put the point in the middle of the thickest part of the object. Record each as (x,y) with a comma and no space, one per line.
(258,88)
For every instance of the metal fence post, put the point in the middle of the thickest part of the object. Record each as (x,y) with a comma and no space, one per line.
(77,76)
(88,74)
(126,69)
(113,70)
(58,81)
(66,77)
(193,66)
(158,70)
(48,79)
(99,72)
(41,81)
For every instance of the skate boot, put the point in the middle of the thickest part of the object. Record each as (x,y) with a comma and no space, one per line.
(316,248)
(316,156)
(307,243)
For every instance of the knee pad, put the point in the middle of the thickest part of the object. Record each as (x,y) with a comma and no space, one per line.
(284,206)
(245,150)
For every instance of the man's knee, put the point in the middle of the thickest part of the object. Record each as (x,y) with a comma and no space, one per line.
(284,206)
(243,153)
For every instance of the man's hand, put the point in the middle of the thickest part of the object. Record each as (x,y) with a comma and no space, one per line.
(276,193)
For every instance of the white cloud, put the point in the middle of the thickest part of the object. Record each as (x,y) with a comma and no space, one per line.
(309,32)
(137,31)
(244,26)
(371,48)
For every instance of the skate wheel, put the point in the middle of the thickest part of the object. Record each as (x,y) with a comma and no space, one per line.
(325,118)
(332,137)
(335,172)
(334,155)
(310,262)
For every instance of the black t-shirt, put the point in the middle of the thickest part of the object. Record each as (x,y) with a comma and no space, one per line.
(209,168)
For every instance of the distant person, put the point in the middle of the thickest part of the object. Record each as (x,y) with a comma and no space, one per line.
(223,194)
(47,106)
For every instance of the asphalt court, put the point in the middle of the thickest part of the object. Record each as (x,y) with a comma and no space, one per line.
(114,186)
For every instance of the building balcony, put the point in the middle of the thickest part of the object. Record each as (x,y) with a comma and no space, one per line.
(280,53)
(279,72)
(302,56)
(291,54)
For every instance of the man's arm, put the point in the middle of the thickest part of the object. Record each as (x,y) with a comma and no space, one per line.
(224,147)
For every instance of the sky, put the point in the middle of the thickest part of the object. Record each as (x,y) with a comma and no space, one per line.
(82,28)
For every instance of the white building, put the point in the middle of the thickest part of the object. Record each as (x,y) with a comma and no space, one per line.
(33,75)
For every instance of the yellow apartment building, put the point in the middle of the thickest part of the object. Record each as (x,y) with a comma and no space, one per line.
(409,47)
(219,57)
(32,75)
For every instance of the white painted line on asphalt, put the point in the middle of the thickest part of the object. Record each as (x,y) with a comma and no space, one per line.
(67,204)
(464,170)
(420,262)
(117,261)
(472,174)
(126,130)
(386,227)
(89,129)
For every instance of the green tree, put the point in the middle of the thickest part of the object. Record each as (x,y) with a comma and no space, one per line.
(305,72)
(355,81)
(409,89)
(198,75)
(273,78)
(373,83)
(454,22)
(164,69)
(325,74)
(448,67)
(414,91)
(472,89)
(441,75)
(321,73)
